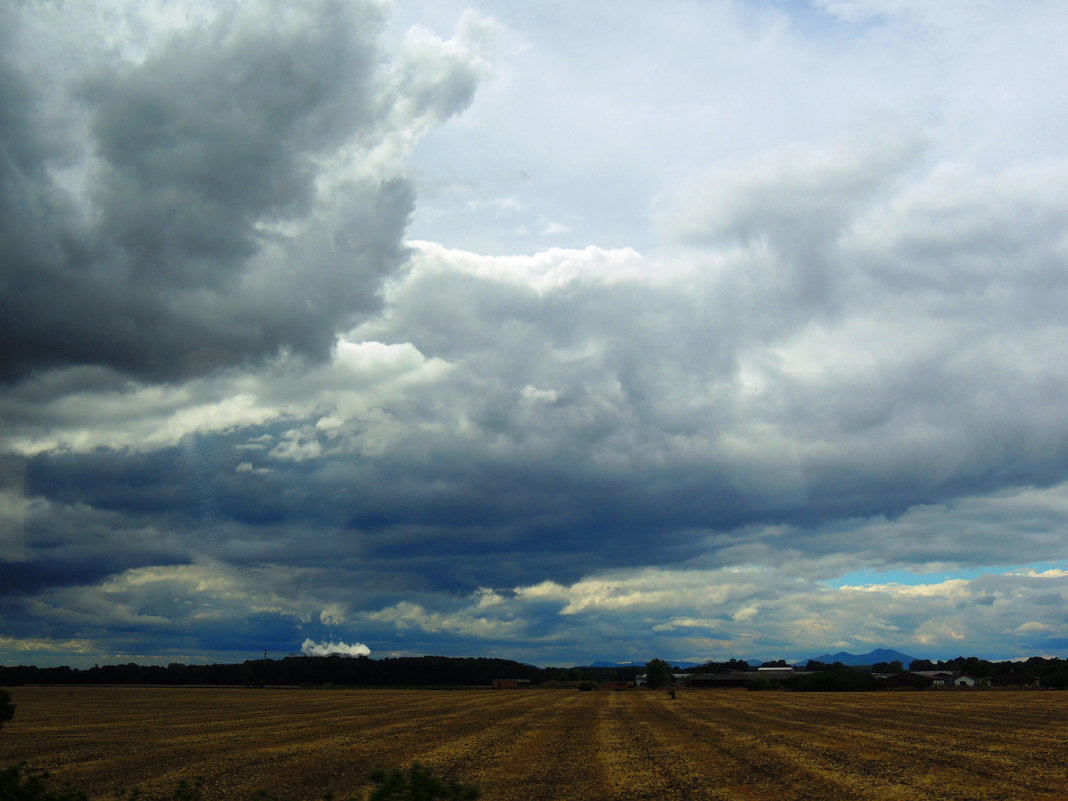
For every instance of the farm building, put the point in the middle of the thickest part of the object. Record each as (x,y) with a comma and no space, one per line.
(726,678)
(742,678)
(778,673)
(676,678)
(509,684)
(1014,680)
(936,678)
(947,678)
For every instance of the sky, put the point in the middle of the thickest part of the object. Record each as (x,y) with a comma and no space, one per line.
(557,332)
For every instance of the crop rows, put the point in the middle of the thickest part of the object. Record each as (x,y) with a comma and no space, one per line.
(529,745)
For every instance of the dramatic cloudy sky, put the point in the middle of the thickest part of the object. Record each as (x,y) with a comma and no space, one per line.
(552,331)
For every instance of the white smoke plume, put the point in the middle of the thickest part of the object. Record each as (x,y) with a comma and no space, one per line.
(311,648)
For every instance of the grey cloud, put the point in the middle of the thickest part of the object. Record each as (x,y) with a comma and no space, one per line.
(594,412)
(204,236)
(788,209)
(796,198)
(854,360)
(439,535)
(649,378)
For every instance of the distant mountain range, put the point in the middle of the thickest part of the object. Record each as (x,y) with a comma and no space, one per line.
(870,658)
(679,663)
(846,658)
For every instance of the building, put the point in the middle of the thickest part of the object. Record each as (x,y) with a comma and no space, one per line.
(509,684)
(723,679)
(948,678)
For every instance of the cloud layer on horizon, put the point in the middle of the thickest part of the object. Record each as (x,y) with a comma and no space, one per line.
(241,411)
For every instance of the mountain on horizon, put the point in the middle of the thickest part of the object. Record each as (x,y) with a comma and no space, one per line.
(846,658)
(679,663)
(870,658)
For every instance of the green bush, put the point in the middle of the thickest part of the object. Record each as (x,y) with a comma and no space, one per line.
(846,680)
(760,683)
(19,783)
(185,791)
(7,709)
(418,784)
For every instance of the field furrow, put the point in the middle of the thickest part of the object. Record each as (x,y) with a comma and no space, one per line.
(551,745)
(554,761)
(907,756)
(750,761)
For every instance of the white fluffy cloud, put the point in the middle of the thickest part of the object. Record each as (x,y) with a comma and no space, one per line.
(311,648)
(704,614)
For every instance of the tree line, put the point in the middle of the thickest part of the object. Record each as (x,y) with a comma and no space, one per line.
(429,671)
(415,671)
(816,676)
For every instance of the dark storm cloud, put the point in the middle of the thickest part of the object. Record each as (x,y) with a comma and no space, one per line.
(512,523)
(847,357)
(174,200)
(172,260)
(547,417)
(81,542)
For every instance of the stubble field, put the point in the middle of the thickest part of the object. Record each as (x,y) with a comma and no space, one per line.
(531,745)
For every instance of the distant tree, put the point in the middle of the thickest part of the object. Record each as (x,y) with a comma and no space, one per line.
(888,667)
(973,666)
(814,665)
(831,681)
(7,709)
(921,664)
(657,673)
(776,663)
(1057,677)
(718,667)
(759,682)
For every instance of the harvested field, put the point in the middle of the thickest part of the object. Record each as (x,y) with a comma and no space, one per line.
(529,745)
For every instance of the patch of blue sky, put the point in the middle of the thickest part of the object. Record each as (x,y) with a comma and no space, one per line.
(914,578)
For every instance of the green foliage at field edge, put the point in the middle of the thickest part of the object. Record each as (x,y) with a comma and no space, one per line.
(657,674)
(7,709)
(419,784)
(21,783)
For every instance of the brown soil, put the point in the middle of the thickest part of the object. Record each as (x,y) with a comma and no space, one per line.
(542,745)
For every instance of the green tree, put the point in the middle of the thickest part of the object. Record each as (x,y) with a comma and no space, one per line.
(418,784)
(18,783)
(888,667)
(758,683)
(7,709)
(657,673)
